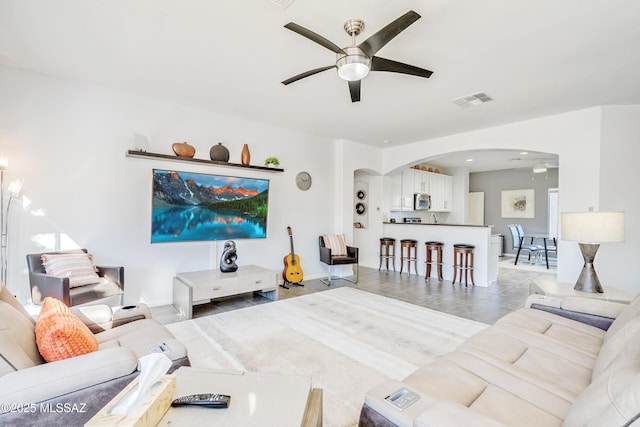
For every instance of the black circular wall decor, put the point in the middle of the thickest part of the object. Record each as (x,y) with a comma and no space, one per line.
(360,208)
(361,195)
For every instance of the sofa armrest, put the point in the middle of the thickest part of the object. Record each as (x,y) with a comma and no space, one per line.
(113,274)
(325,255)
(598,313)
(443,413)
(50,380)
(97,317)
(44,285)
(352,251)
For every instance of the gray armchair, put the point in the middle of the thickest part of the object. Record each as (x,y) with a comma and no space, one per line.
(330,259)
(44,285)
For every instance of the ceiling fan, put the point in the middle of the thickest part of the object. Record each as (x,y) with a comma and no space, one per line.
(355,61)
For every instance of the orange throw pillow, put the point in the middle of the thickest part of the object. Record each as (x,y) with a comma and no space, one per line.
(60,334)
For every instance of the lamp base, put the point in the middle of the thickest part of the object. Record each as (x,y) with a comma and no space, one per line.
(588,280)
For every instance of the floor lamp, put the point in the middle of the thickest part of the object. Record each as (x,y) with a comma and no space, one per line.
(12,190)
(590,229)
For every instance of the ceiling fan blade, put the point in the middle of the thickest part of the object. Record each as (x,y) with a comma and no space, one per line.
(382,64)
(307,74)
(374,43)
(354,90)
(314,37)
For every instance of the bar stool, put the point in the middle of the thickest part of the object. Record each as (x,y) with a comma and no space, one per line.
(463,261)
(434,246)
(388,251)
(410,245)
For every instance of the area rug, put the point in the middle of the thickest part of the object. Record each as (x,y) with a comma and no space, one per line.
(347,340)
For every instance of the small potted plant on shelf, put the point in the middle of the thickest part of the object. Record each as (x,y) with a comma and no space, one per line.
(272,162)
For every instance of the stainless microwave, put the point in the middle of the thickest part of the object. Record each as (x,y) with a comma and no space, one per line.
(421,202)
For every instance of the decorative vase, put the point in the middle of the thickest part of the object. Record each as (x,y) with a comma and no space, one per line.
(182,149)
(219,153)
(228,258)
(246,155)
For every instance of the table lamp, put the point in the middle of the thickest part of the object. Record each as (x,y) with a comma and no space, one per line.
(590,229)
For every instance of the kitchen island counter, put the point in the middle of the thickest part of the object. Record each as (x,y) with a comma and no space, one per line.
(485,257)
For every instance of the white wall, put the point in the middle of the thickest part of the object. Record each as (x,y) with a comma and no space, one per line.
(619,152)
(67,141)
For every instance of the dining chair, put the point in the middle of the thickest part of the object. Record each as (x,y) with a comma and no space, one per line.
(516,237)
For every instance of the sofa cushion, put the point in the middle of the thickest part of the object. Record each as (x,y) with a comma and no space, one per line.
(628,314)
(538,361)
(625,343)
(60,334)
(336,243)
(490,390)
(612,399)
(17,341)
(573,334)
(78,268)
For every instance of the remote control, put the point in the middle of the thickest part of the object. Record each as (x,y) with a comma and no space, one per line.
(208,400)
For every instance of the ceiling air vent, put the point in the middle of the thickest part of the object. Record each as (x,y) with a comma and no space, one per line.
(282,3)
(472,100)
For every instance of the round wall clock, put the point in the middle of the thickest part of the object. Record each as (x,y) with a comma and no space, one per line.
(303,181)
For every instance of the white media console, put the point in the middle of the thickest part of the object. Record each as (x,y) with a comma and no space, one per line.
(199,287)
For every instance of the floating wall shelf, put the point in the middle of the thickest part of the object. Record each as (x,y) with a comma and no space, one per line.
(136,153)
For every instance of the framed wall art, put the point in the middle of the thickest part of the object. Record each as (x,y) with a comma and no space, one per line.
(518,203)
(190,206)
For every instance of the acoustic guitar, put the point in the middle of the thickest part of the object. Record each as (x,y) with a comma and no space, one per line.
(292,271)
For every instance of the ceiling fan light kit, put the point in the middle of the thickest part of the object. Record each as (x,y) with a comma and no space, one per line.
(353,66)
(539,168)
(354,62)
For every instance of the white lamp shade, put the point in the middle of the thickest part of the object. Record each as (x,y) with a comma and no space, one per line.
(592,227)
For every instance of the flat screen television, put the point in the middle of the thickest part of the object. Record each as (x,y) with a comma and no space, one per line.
(191,206)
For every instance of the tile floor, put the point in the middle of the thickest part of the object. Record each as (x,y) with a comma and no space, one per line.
(483,304)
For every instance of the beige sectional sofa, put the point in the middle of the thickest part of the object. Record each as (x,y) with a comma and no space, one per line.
(70,391)
(557,362)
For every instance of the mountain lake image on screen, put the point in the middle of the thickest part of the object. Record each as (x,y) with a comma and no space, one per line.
(189,206)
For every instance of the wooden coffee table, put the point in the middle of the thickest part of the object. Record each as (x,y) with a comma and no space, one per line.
(256,399)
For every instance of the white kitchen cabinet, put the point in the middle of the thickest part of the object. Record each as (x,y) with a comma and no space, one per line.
(421,182)
(395,191)
(441,191)
(410,181)
(408,177)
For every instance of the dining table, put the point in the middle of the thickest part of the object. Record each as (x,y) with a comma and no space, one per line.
(533,237)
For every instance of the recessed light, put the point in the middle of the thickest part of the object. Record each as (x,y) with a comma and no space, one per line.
(386,141)
(524,153)
(469,160)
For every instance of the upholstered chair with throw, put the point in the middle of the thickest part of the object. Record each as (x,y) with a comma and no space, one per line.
(334,251)
(72,277)
(57,362)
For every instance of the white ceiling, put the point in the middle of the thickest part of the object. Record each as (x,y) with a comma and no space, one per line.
(534,58)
